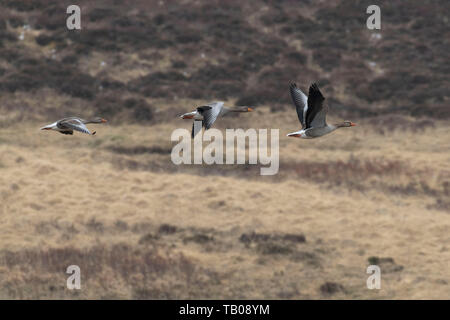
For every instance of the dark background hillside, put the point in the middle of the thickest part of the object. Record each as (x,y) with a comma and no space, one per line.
(130,53)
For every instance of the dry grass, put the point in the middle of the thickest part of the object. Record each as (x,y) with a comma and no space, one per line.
(147,229)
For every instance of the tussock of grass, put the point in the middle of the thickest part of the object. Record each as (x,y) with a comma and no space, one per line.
(140,267)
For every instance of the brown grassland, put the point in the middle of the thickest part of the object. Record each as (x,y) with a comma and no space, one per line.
(141,227)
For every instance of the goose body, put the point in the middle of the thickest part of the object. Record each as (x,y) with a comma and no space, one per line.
(209,113)
(68,125)
(312,113)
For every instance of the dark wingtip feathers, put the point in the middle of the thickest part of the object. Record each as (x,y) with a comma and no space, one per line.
(314,91)
(314,87)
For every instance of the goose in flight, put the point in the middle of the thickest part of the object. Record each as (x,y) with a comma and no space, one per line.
(311,113)
(209,113)
(68,125)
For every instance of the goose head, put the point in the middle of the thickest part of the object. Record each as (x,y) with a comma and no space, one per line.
(97,120)
(346,123)
(243,109)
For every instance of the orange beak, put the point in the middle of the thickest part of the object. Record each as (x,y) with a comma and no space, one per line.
(352,124)
(188,117)
(103,120)
(295,135)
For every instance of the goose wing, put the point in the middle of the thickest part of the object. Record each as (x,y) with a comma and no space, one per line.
(73,124)
(300,101)
(210,112)
(316,112)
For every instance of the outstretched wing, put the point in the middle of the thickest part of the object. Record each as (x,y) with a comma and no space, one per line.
(301,102)
(74,124)
(316,113)
(210,112)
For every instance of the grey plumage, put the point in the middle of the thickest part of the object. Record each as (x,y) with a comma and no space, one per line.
(316,113)
(71,124)
(208,113)
(300,101)
(312,112)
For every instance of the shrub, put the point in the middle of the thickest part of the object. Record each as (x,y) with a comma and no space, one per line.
(296,57)
(330,288)
(43,39)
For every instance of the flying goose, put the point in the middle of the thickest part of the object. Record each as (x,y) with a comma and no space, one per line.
(209,112)
(311,113)
(68,125)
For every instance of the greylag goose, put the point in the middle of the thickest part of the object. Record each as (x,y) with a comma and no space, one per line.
(68,125)
(209,112)
(311,113)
